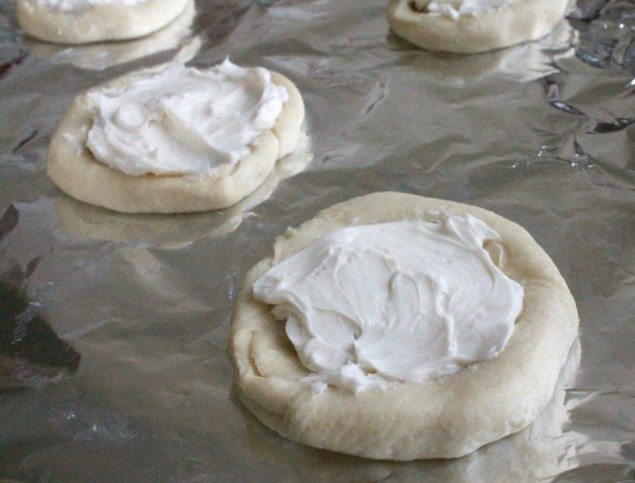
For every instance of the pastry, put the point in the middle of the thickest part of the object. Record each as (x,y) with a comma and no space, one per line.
(470,26)
(176,139)
(103,55)
(415,328)
(86,21)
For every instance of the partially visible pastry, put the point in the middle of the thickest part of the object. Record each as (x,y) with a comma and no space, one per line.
(86,21)
(471,26)
(176,139)
(103,55)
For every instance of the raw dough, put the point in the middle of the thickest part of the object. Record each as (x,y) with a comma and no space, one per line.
(444,418)
(520,21)
(101,56)
(96,23)
(74,169)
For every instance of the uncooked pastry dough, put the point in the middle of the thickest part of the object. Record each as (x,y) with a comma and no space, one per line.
(443,418)
(75,170)
(103,55)
(515,22)
(98,22)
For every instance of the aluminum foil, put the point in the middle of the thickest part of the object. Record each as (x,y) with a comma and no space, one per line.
(540,133)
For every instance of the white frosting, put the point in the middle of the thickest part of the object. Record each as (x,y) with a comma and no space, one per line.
(184,120)
(76,5)
(456,8)
(401,301)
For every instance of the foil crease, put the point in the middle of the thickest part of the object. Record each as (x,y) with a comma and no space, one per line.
(541,133)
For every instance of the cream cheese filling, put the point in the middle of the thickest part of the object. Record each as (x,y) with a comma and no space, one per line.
(401,301)
(78,5)
(456,8)
(184,121)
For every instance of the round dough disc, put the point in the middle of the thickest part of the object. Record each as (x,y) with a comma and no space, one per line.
(443,418)
(521,21)
(76,171)
(101,56)
(96,23)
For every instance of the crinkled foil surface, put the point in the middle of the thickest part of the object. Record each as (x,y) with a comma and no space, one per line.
(540,133)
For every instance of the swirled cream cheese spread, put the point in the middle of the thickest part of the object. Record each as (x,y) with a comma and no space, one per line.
(75,5)
(456,8)
(183,120)
(400,301)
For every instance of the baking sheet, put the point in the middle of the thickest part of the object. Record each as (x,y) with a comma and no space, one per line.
(540,133)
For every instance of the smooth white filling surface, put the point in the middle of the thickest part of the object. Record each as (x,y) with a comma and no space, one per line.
(183,120)
(400,301)
(456,8)
(76,5)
